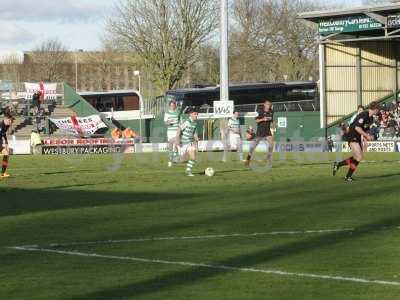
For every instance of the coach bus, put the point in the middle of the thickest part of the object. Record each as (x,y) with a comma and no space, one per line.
(118,104)
(249,93)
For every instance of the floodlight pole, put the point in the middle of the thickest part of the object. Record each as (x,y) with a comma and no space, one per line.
(137,74)
(76,72)
(224,66)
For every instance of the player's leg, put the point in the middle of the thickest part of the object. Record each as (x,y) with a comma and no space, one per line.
(227,145)
(171,151)
(338,165)
(4,163)
(191,161)
(252,149)
(347,161)
(172,148)
(270,141)
(175,152)
(355,160)
(240,147)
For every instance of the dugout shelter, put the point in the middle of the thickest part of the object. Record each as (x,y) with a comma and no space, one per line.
(358,58)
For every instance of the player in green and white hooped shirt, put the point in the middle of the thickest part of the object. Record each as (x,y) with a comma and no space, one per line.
(187,136)
(172,119)
(234,134)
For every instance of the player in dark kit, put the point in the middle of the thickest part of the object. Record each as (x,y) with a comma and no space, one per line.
(5,124)
(357,132)
(264,121)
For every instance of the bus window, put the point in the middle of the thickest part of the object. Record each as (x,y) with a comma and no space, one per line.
(130,103)
(92,101)
(116,101)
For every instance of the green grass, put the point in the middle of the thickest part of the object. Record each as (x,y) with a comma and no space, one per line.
(79,199)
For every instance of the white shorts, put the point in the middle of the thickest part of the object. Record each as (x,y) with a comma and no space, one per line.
(185,148)
(234,140)
(171,136)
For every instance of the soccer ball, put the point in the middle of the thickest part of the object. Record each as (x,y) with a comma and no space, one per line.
(209,172)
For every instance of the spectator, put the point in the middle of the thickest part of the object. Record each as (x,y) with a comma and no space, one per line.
(387,123)
(36,101)
(128,133)
(116,134)
(36,142)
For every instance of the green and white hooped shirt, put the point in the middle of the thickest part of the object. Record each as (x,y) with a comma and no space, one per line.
(234,125)
(172,118)
(188,131)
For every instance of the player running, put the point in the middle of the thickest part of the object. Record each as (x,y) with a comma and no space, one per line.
(187,137)
(357,131)
(172,119)
(264,121)
(5,125)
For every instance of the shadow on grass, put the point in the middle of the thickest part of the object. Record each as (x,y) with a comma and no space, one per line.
(16,201)
(383,176)
(191,275)
(60,187)
(301,207)
(68,172)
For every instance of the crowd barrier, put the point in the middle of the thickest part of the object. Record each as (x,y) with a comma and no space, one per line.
(107,146)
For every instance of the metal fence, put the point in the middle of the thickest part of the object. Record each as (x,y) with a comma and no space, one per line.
(159,105)
(293,106)
(155,106)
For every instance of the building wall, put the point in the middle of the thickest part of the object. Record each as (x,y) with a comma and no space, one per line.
(359,73)
(90,77)
(301,126)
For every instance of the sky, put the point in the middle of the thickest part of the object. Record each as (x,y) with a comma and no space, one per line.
(79,24)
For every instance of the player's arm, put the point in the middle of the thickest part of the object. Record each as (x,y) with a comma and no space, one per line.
(167,120)
(260,118)
(178,136)
(273,128)
(364,134)
(196,140)
(273,124)
(179,133)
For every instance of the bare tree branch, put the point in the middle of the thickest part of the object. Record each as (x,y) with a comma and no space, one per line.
(50,56)
(166,34)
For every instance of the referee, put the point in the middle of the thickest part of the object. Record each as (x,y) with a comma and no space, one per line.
(265,121)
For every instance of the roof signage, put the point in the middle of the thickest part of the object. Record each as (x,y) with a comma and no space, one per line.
(349,24)
(393,21)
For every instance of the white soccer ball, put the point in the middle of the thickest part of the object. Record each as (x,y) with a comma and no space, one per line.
(209,172)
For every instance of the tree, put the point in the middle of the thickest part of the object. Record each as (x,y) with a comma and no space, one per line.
(11,68)
(166,34)
(102,62)
(269,41)
(49,58)
(205,71)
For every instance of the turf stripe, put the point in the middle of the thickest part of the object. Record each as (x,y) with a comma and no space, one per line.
(212,266)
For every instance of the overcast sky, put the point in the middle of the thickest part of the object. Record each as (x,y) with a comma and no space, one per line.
(79,24)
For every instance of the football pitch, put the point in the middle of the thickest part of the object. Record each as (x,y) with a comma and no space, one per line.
(129,227)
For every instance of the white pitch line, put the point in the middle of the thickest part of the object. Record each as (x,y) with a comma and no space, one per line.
(198,237)
(212,266)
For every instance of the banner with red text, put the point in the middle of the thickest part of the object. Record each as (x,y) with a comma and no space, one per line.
(48,90)
(79,126)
